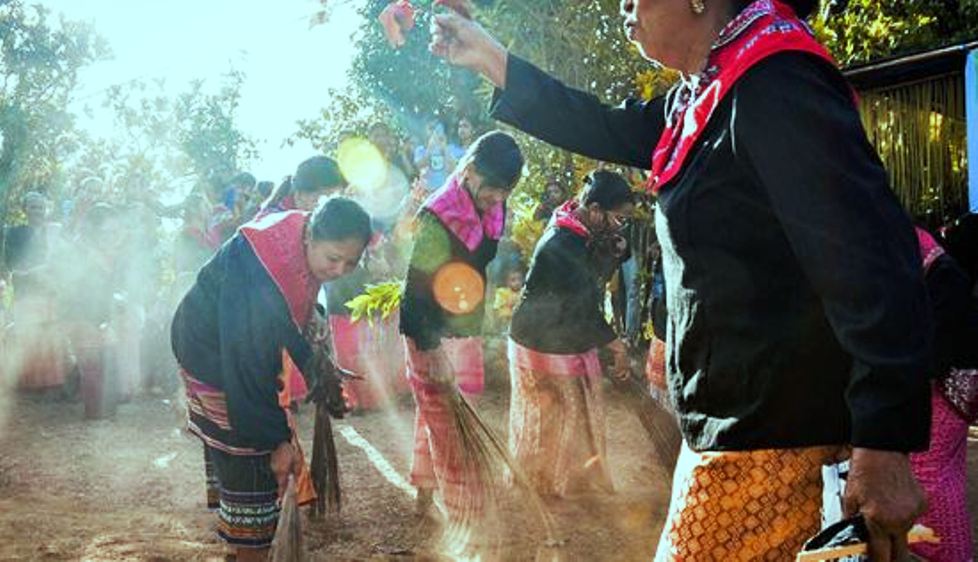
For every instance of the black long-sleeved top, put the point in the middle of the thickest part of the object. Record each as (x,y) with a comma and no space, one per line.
(560,308)
(422,319)
(229,332)
(797,311)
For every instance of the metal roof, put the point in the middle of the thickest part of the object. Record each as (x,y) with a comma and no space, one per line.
(904,69)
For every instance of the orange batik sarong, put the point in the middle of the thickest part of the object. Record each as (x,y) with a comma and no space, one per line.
(744,505)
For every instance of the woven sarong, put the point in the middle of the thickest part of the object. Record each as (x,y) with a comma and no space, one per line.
(941,471)
(438,453)
(749,506)
(557,421)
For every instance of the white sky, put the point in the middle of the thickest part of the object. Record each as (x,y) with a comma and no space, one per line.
(287,65)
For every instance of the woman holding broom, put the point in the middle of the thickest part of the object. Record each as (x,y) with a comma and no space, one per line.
(241,320)
(556,417)
(442,307)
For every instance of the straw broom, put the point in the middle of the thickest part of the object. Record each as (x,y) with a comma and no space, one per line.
(659,423)
(326,392)
(288,545)
(324,465)
(484,456)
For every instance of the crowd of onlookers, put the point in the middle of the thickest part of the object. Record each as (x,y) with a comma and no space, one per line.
(88,282)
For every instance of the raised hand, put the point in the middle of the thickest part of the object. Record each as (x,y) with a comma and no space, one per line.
(461,7)
(464,43)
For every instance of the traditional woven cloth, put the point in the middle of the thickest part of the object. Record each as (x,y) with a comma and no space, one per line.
(248,512)
(941,471)
(557,421)
(438,456)
(749,505)
(38,337)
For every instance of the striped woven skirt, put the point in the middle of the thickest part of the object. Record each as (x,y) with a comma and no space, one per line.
(557,421)
(438,463)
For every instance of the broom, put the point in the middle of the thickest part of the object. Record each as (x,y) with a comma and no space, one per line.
(287,546)
(326,391)
(659,423)
(484,455)
(324,465)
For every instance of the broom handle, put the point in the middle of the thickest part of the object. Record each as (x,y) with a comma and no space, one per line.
(918,533)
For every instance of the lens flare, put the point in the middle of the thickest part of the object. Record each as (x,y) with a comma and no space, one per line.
(362,164)
(458,288)
(432,248)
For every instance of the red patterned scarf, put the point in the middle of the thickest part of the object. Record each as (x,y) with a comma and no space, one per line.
(762,29)
(566,217)
(454,207)
(278,241)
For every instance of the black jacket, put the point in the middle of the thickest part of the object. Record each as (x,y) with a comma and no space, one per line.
(422,319)
(561,307)
(229,332)
(797,311)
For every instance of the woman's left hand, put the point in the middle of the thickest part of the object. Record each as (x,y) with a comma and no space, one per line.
(882,488)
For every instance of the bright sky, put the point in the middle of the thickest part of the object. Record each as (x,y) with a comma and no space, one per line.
(287,65)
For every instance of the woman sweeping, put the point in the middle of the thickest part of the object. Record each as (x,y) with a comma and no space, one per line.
(243,317)
(315,178)
(458,229)
(942,468)
(556,417)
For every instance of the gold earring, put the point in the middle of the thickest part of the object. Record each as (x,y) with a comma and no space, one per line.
(698,6)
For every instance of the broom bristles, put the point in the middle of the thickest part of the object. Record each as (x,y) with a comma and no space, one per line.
(483,455)
(324,465)
(288,544)
(659,424)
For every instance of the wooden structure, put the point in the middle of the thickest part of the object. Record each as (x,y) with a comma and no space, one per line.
(913,108)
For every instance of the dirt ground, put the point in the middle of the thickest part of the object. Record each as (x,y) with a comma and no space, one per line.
(132,488)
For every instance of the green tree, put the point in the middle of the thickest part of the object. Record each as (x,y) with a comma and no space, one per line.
(858,31)
(207,132)
(39,63)
(163,141)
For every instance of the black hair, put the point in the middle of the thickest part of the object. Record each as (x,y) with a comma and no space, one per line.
(802,8)
(340,218)
(264,188)
(243,179)
(960,239)
(315,174)
(379,125)
(496,158)
(607,189)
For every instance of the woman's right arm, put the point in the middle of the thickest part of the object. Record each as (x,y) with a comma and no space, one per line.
(534,102)
(542,106)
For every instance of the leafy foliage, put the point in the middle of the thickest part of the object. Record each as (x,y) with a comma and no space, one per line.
(162,142)
(862,30)
(39,63)
(380,299)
